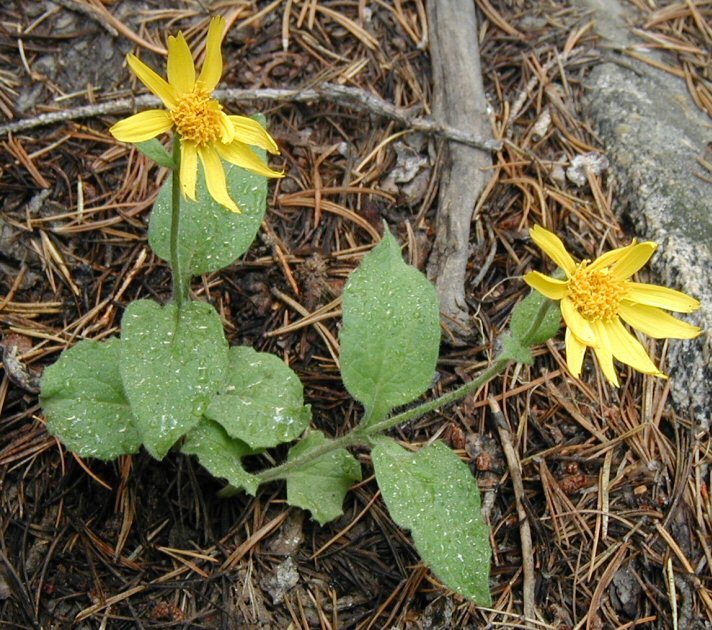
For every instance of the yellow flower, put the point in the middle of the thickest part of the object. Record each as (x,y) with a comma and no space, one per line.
(205,131)
(597,295)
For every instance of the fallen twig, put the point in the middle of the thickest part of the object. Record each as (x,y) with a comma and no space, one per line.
(345,96)
(525,535)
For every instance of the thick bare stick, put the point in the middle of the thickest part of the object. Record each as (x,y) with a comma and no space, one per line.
(459,101)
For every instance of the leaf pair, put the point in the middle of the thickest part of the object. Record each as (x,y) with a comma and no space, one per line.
(172,375)
(389,347)
(260,405)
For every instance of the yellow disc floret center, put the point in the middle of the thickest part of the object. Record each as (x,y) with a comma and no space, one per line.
(197,117)
(595,293)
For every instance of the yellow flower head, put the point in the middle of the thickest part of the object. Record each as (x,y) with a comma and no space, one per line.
(597,295)
(205,130)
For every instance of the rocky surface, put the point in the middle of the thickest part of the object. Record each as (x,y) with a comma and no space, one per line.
(655,138)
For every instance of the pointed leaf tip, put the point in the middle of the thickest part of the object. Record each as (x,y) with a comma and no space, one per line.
(434,495)
(390,337)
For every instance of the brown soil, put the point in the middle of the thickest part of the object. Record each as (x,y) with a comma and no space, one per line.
(616,483)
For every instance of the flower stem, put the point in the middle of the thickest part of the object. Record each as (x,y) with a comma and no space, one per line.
(180,286)
(352,438)
(537,322)
(416,412)
(362,433)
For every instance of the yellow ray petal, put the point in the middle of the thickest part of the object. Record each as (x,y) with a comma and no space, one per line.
(227,128)
(608,258)
(251,132)
(552,246)
(628,349)
(633,260)
(240,154)
(154,82)
(656,323)
(215,178)
(604,353)
(181,70)
(188,168)
(550,287)
(579,326)
(662,297)
(142,126)
(574,353)
(212,68)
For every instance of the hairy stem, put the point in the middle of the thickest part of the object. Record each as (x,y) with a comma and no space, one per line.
(362,433)
(352,438)
(416,412)
(537,321)
(180,286)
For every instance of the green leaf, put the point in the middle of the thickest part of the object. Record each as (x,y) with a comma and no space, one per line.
(433,493)
(220,454)
(391,332)
(321,485)
(513,349)
(172,364)
(211,236)
(84,401)
(525,313)
(261,401)
(154,150)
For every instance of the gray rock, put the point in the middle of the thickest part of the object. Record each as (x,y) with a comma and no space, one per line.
(654,135)
(284,579)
